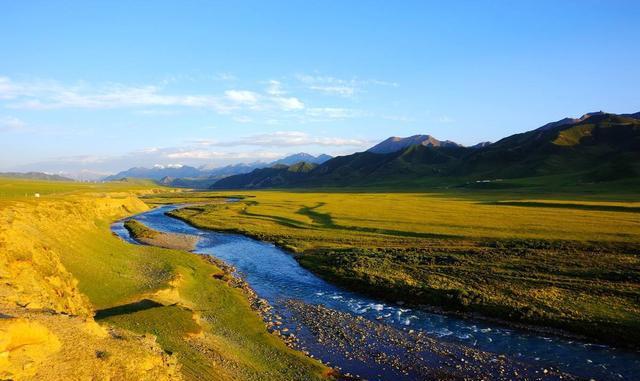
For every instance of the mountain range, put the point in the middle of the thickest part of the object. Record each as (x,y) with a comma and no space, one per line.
(34,176)
(394,143)
(597,147)
(191,177)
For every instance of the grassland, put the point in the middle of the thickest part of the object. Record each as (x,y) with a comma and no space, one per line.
(162,314)
(569,261)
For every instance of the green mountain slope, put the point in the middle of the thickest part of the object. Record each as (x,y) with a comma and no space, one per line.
(597,144)
(276,176)
(594,148)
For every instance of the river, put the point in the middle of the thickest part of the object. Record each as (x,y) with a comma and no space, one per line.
(378,340)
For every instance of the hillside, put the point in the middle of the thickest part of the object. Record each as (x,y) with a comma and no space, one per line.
(34,176)
(278,175)
(597,147)
(48,330)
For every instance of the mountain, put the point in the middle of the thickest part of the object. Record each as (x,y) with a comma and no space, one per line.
(568,121)
(34,176)
(157,172)
(394,143)
(302,157)
(203,177)
(233,169)
(480,145)
(599,145)
(596,147)
(278,175)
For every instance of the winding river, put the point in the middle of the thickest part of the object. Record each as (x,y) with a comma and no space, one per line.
(395,342)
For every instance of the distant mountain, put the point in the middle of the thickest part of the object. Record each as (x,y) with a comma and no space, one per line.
(302,157)
(156,172)
(480,145)
(34,176)
(203,177)
(278,175)
(230,170)
(594,148)
(394,143)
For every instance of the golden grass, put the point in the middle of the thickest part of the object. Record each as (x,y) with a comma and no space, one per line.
(566,263)
(59,254)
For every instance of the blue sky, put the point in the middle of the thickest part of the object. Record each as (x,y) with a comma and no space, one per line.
(103,86)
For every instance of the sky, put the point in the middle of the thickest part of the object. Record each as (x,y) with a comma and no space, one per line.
(90,88)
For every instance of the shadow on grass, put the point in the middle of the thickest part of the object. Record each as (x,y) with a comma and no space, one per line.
(144,304)
(323,219)
(326,222)
(534,204)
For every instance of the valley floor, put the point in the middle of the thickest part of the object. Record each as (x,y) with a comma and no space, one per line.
(570,263)
(77,302)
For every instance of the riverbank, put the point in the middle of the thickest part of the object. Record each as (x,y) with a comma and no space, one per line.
(160,314)
(272,321)
(279,279)
(147,236)
(584,288)
(417,355)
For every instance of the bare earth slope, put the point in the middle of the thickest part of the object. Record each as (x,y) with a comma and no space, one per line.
(46,321)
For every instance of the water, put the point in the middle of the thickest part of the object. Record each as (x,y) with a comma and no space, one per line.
(277,277)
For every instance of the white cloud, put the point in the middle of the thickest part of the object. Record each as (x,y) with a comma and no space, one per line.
(398,118)
(39,95)
(283,139)
(274,88)
(195,154)
(337,86)
(10,123)
(289,104)
(382,83)
(157,112)
(46,95)
(334,112)
(329,85)
(217,155)
(162,166)
(242,119)
(7,90)
(345,91)
(242,96)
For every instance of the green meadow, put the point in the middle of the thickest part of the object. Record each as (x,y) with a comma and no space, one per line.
(568,261)
(195,314)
